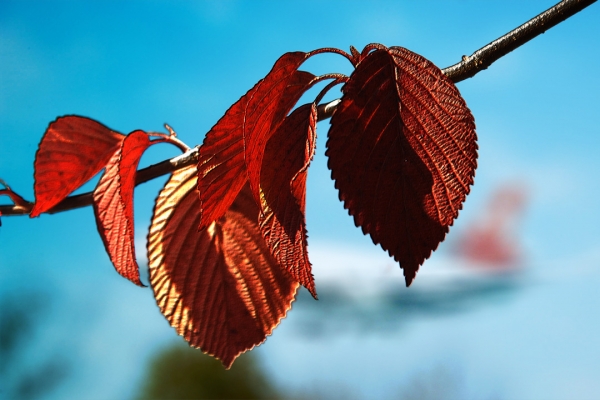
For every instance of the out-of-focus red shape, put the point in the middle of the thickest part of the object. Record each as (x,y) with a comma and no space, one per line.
(232,150)
(71,152)
(402,151)
(220,288)
(491,241)
(113,205)
(283,192)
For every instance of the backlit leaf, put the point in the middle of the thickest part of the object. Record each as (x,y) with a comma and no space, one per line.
(72,151)
(402,150)
(283,192)
(113,205)
(272,100)
(221,166)
(232,150)
(219,287)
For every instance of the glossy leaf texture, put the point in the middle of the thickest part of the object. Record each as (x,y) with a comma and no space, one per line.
(220,288)
(283,192)
(402,151)
(223,162)
(113,205)
(73,150)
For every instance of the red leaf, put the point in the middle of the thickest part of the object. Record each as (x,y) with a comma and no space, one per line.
(232,150)
(402,150)
(220,288)
(221,167)
(283,191)
(113,205)
(72,151)
(272,100)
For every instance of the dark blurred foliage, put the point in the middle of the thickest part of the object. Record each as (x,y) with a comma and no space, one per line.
(20,377)
(182,372)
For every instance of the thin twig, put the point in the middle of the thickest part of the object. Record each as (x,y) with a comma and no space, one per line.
(467,68)
(484,57)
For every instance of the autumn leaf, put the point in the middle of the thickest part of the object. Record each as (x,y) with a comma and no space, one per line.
(402,151)
(225,161)
(272,100)
(283,192)
(72,151)
(220,288)
(113,205)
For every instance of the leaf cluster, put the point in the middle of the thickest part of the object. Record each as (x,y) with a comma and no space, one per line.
(227,245)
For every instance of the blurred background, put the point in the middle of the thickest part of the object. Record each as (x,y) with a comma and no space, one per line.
(506,308)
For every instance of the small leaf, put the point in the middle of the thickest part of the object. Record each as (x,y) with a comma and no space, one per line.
(232,150)
(220,288)
(402,151)
(113,205)
(283,192)
(72,151)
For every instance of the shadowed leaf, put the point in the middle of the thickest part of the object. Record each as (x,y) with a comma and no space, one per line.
(402,150)
(220,288)
(72,151)
(113,205)
(283,185)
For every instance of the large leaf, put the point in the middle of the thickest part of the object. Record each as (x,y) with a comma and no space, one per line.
(283,186)
(113,205)
(220,288)
(72,151)
(402,150)
(232,150)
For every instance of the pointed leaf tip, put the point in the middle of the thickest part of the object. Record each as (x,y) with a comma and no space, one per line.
(402,151)
(283,192)
(113,205)
(232,150)
(220,288)
(273,98)
(72,150)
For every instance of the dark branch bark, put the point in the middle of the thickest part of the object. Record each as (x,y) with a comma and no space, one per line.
(467,68)
(484,57)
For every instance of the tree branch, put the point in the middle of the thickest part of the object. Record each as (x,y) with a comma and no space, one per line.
(484,57)
(467,68)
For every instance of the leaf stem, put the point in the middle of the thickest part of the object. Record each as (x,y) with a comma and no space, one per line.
(332,50)
(171,138)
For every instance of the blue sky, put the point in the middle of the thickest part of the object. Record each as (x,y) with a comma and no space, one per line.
(137,65)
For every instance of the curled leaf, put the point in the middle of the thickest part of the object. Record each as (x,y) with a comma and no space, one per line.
(272,100)
(232,150)
(283,192)
(72,151)
(402,151)
(220,288)
(113,205)
(221,166)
